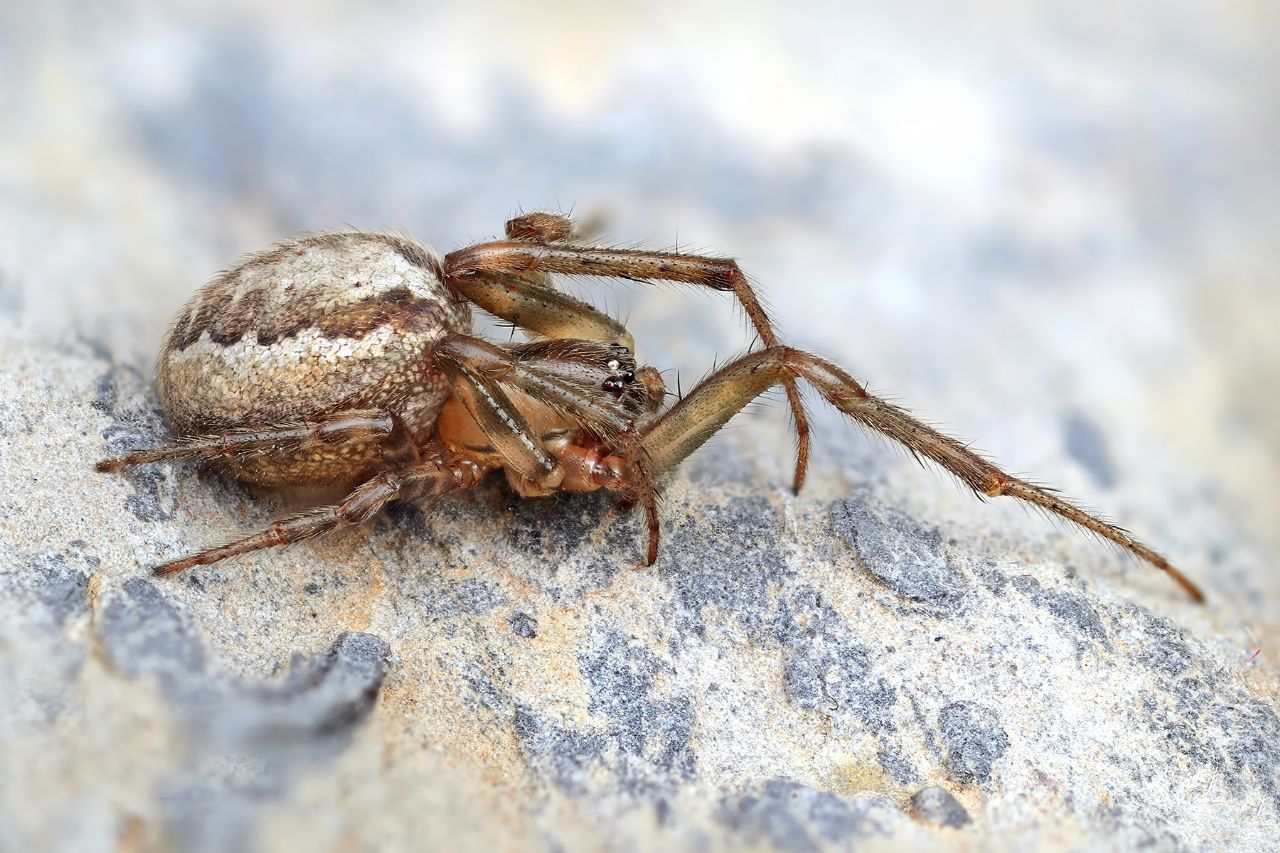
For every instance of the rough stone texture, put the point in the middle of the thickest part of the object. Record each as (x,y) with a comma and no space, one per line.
(974,740)
(1055,232)
(935,805)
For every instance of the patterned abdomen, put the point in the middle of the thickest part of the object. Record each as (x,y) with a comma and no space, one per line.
(306,328)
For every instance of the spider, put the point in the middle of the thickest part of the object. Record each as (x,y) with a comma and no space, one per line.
(348,360)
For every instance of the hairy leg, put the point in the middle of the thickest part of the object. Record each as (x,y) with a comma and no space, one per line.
(541,227)
(336,429)
(529,300)
(508,278)
(438,472)
(712,403)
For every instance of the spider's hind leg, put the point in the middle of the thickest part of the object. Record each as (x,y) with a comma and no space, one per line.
(436,473)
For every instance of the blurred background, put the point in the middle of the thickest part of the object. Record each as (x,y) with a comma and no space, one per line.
(1052,227)
(1037,222)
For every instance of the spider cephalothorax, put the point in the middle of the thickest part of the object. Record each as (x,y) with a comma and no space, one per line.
(348,360)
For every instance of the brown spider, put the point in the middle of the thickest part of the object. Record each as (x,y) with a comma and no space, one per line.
(347,359)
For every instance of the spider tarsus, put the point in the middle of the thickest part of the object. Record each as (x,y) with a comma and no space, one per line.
(1048,499)
(802,430)
(1183,581)
(1189,586)
(802,459)
(172,567)
(540,227)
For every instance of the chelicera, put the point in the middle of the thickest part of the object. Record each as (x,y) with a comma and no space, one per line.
(347,360)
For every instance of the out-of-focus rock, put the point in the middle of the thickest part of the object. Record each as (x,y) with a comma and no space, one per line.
(935,805)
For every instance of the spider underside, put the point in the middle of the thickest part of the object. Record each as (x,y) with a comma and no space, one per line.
(315,364)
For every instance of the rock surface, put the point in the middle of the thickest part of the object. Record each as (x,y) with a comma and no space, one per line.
(1080,276)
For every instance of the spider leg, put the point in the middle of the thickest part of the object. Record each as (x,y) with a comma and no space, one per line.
(508,278)
(702,412)
(528,300)
(337,428)
(541,227)
(553,227)
(438,472)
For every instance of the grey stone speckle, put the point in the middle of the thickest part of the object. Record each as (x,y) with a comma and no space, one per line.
(896,765)
(991,577)
(1029,587)
(904,556)
(1073,612)
(724,558)
(484,688)
(523,625)
(147,504)
(1165,649)
(651,732)
(828,669)
(448,598)
(935,805)
(55,581)
(556,525)
(793,817)
(476,595)
(1252,731)
(143,633)
(106,394)
(563,754)
(973,739)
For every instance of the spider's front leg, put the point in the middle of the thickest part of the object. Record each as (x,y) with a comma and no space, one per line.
(712,403)
(509,278)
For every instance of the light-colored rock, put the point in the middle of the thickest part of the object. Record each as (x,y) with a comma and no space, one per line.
(1075,269)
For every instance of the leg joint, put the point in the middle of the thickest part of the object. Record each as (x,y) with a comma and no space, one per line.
(996,484)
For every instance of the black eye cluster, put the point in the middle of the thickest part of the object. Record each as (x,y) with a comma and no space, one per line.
(622,372)
(616,385)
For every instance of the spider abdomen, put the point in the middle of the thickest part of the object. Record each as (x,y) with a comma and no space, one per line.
(306,328)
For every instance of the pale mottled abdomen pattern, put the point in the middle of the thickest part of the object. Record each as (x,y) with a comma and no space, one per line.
(309,327)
